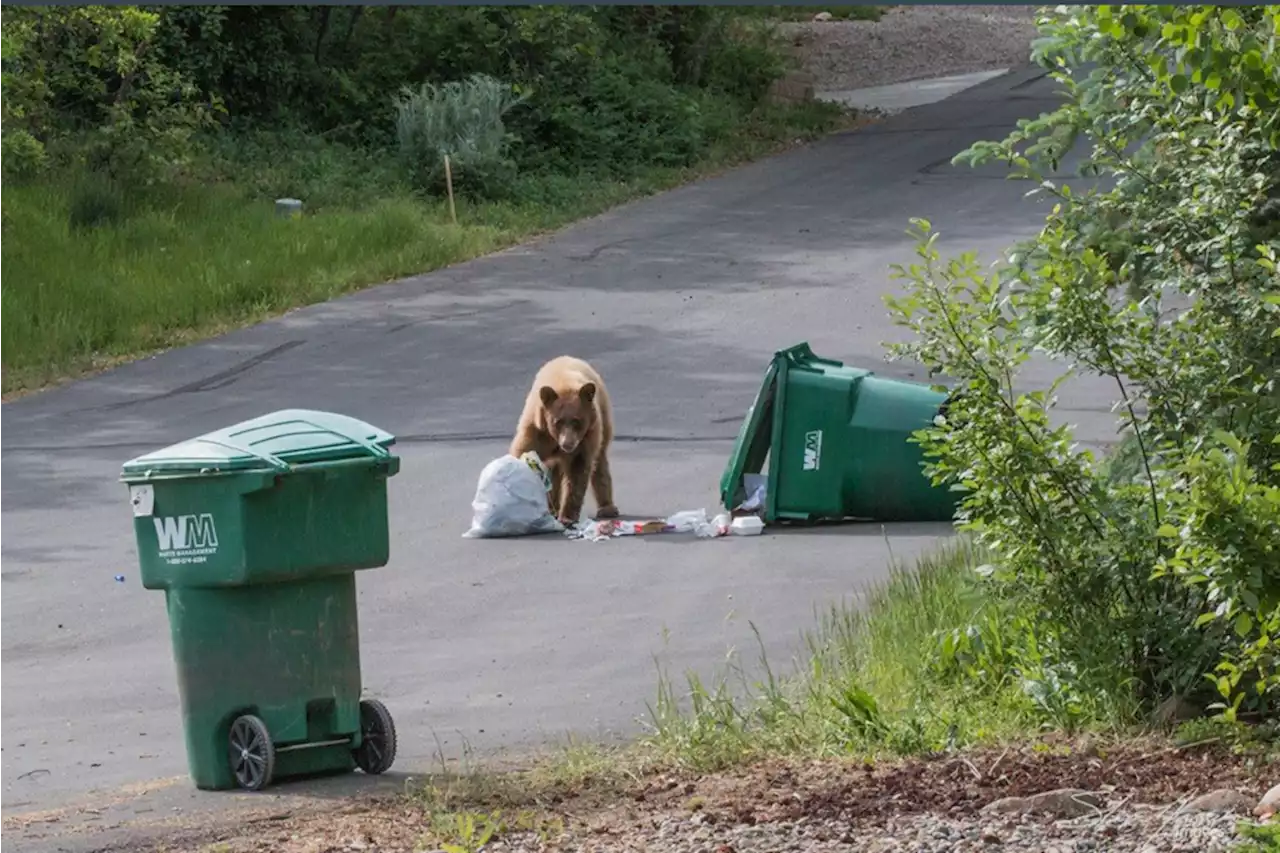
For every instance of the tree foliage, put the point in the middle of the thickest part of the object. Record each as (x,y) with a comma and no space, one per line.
(95,73)
(1162,577)
(609,88)
(606,86)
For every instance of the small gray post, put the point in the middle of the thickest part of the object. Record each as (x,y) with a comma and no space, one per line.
(288,208)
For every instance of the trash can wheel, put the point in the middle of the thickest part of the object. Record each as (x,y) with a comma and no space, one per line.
(377,748)
(251,753)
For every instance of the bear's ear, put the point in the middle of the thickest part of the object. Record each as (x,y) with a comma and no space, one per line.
(587,392)
(548,395)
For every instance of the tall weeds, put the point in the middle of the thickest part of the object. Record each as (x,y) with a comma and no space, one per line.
(875,679)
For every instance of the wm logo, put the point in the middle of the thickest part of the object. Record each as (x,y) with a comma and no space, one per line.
(184,532)
(812,450)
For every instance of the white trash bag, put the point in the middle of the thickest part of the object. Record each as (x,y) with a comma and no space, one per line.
(511,499)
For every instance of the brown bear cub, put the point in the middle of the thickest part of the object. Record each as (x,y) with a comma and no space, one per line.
(568,422)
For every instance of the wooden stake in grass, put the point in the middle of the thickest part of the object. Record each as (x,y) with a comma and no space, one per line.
(448,185)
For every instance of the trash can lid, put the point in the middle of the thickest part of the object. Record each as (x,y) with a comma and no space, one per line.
(275,441)
(754,438)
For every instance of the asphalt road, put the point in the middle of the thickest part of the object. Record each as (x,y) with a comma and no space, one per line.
(678,300)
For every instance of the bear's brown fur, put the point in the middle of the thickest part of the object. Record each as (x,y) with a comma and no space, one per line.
(568,422)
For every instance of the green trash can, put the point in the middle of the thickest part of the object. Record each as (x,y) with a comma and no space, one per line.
(254,532)
(836,439)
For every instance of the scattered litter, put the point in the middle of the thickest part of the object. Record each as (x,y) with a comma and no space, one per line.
(592,530)
(756,487)
(747,525)
(119,579)
(511,499)
(693,521)
(639,528)
(690,520)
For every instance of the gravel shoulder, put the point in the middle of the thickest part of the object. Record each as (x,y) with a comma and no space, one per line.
(1145,798)
(913,43)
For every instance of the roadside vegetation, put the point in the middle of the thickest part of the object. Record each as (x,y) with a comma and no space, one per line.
(1089,594)
(873,682)
(1259,839)
(143,149)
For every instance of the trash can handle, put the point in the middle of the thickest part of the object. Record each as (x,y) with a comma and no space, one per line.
(801,356)
(374,449)
(271,459)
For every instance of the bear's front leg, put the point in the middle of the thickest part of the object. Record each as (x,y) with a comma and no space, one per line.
(602,487)
(553,496)
(573,488)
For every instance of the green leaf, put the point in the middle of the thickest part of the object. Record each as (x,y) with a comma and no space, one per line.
(1167,531)
(1178,83)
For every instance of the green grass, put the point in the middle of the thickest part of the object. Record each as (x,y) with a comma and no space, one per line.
(869,685)
(167,266)
(1264,838)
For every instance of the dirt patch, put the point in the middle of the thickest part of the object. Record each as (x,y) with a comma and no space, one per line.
(913,43)
(845,799)
(961,786)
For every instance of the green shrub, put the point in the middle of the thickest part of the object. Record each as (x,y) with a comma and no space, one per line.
(1263,838)
(92,74)
(745,67)
(1158,574)
(622,121)
(610,89)
(464,121)
(22,108)
(22,155)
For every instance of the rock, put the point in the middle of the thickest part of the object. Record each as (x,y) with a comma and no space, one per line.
(1269,804)
(822,16)
(1223,801)
(1066,802)
(1008,805)
(991,837)
(1175,709)
(1063,803)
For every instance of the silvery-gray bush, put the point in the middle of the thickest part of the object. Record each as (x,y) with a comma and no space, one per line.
(463,119)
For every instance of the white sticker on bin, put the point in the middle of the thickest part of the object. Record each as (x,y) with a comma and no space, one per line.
(143,499)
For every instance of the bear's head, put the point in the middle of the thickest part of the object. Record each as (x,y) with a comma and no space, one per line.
(569,415)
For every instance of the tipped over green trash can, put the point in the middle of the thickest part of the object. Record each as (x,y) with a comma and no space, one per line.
(837,443)
(255,532)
